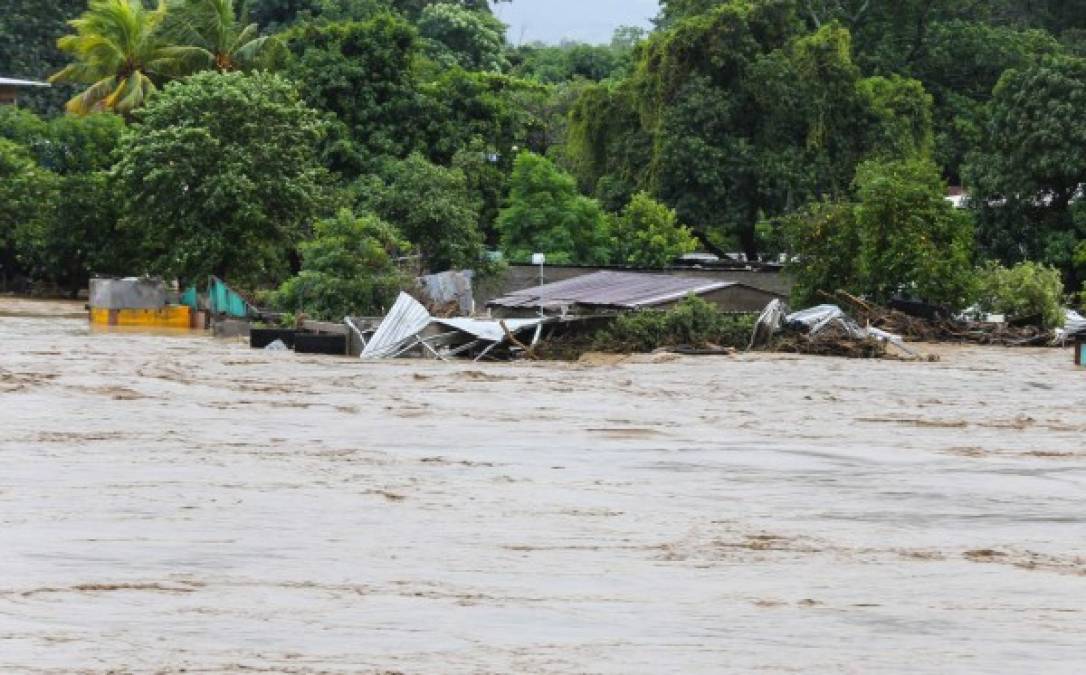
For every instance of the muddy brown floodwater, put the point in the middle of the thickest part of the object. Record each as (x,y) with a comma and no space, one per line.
(174,503)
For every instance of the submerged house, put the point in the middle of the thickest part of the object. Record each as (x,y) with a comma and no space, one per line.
(10,87)
(610,292)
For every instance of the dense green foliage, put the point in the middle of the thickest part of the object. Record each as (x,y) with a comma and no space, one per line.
(433,209)
(1031,168)
(1021,292)
(62,215)
(825,131)
(119,53)
(348,268)
(547,215)
(457,35)
(28,34)
(692,322)
(648,234)
(220,176)
(900,237)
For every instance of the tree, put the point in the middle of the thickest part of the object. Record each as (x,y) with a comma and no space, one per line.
(28,34)
(432,207)
(348,269)
(413,9)
(899,237)
(74,232)
(218,39)
(28,193)
(460,109)
(81,236)
(363,73)
(118,53)
(1024,291)
(648,234)
(220,176)
(1030,169)
(474,40)
(546,214)
(739,114)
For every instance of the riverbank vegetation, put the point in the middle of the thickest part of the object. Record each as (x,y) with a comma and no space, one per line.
(253,139)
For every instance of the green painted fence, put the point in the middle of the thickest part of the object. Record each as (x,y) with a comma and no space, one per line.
(221,299)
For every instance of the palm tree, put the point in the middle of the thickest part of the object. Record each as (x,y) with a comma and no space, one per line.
(117,53)
(219,38)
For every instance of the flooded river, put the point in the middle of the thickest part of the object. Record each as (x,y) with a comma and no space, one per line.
(173,503)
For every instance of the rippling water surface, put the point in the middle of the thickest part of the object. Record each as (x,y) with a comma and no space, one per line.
(172,502)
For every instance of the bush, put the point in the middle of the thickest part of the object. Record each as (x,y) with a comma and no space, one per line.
(546,214)
(899,236)
(347,269)
(1025,290)
(648,234)
(691,322)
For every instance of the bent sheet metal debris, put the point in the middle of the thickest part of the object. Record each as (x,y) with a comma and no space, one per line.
(404,328)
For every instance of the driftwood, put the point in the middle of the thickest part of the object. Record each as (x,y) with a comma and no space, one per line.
(528,351)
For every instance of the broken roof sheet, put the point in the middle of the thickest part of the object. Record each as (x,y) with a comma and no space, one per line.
(404,321)
(13,82)
(630,290)
(489,330)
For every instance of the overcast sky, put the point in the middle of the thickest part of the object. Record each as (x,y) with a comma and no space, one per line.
(584,20)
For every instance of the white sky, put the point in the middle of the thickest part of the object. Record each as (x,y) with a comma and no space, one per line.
(583,20)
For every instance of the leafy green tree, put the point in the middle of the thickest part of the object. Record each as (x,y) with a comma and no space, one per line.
(220,176)
(822,240)
(546,214)
(432,207)
(899,237)
(486,183)
(363,73)
(219,39)
(912,240)
(75,233)
(28,194)
(648,234)
(28,33)
(279,14)
(22,127)
(118,53)
(413,9)
(738,114)
(348,269)
(1027,174)
(1026,290)
(81,236)
(460,109)
(474,40)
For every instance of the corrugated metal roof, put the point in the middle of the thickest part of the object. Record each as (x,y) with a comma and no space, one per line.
(12,82)
(404,321)
(629,290)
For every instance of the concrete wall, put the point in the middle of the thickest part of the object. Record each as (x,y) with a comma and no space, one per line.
(127,293)
(519,277)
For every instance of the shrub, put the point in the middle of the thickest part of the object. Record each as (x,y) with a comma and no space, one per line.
(899,236)
(1025,290)
(347,269)
(691,322)
(546,214)
(648,234)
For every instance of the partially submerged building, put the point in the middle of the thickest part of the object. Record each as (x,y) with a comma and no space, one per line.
(610,292)
(10,88)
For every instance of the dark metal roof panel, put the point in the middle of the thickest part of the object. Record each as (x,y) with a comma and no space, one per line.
(611,289)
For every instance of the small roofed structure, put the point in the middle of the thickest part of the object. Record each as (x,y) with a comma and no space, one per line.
(612,292)
(9,89)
